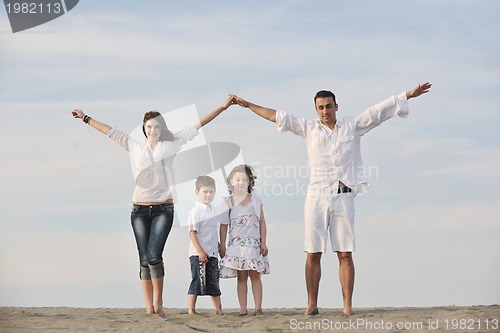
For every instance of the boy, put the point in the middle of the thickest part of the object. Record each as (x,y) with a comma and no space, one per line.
(204,246)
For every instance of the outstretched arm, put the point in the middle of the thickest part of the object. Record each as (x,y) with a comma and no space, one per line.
(214,113)
(101,127)
(266,113)
(418,90)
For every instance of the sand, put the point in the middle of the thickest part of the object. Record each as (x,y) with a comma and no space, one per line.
(484,318)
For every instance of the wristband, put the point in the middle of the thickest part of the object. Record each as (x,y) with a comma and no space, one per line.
(86,119)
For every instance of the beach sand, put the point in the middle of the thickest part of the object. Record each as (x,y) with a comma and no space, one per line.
(484,318)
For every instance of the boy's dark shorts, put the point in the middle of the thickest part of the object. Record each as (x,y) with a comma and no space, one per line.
(211,286)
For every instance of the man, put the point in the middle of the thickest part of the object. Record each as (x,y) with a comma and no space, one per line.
(336,176)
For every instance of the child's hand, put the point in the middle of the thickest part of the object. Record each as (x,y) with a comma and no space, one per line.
(203,256)
(263,249)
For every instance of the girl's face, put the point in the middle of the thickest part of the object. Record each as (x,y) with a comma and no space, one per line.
(240,182)
(153,130)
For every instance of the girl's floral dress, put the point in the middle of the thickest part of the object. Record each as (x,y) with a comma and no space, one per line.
(243,248)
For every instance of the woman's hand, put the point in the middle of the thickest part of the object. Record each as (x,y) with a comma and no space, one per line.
(78,114)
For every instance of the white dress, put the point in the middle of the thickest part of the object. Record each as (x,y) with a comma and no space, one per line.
(243,248)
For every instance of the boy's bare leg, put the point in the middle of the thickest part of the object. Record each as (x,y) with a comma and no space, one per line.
(217,304)
(191,299)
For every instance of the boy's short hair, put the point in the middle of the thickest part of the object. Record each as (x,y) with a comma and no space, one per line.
(204,181)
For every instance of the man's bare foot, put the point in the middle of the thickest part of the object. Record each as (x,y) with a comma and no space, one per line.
(219,312)
(311,312)
(347,312)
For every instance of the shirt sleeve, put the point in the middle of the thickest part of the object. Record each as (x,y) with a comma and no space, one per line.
(286,122)
(192,220)
(377,114)
(257,204)
(186,135)
(120,137)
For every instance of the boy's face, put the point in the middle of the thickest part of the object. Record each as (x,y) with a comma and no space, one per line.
(206,194)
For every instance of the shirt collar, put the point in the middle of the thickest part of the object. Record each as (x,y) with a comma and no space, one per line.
(203,206)
(338,123)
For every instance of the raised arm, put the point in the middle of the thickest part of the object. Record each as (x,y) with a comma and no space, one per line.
(418,90)
(101,127)
(266,113)
(205,119)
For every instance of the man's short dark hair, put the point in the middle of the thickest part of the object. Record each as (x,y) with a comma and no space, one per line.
(324,94)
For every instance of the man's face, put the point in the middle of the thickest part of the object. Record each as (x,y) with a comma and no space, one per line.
(326,110)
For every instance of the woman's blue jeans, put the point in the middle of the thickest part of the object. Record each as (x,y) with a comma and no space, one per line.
(151,225)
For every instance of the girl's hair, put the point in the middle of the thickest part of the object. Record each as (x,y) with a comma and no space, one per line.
(166,134)
(242,168)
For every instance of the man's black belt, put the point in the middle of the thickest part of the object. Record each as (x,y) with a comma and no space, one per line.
(344,189)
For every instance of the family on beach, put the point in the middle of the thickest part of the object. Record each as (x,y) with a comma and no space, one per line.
(335,178)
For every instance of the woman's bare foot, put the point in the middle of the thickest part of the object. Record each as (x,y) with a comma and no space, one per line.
(192,311)
(160,311)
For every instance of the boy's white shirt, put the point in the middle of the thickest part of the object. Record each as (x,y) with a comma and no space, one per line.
(205,219)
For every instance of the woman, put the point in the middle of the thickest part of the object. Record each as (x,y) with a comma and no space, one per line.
(153,209)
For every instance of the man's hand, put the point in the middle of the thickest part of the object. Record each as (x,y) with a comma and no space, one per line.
(241,102)
(418,90)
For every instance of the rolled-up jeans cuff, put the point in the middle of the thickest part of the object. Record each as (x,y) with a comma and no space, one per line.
(157,271)
(145,273)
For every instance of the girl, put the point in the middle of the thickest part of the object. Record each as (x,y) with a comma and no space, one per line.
(246,254)
(153,209)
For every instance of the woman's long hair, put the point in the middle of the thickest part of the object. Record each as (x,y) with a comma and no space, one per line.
(166,134)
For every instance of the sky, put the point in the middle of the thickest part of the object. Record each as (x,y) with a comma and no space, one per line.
(427,233)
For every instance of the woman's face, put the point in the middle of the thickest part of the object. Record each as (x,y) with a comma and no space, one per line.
(240,182)
(153,130)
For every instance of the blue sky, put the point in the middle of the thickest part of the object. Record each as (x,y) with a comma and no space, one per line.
(427,233)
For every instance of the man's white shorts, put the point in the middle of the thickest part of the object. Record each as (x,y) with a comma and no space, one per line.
(329,216)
